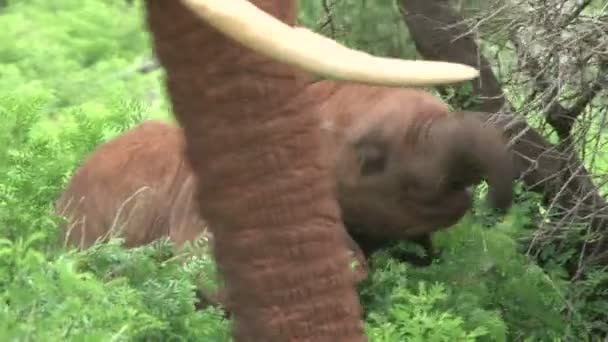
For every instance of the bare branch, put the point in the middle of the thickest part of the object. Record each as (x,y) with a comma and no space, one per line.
(555,171)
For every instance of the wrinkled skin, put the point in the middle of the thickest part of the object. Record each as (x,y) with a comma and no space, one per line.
(263,183)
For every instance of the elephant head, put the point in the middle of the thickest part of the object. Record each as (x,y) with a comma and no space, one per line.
(405,164)
(252,141)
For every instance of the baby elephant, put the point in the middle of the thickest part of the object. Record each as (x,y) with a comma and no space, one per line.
(404,166)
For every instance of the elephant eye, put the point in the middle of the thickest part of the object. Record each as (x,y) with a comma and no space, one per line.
(371,159)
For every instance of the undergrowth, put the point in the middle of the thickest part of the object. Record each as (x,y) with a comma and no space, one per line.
(67,84)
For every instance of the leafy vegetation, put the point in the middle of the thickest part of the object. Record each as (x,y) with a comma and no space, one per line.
(69,81)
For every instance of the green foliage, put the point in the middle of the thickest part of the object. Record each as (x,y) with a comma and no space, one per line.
(105,293)
(401,309)
(76,52)
(482,285)
(68,82)
(375,27)
(59,99)
(45,40)
(461,97)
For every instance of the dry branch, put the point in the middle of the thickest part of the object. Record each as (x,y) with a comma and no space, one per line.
(555,171)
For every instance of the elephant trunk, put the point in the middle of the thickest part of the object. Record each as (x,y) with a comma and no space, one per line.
(263,183)
(474,152)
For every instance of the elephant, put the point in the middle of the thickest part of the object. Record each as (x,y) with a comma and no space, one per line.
(152,186)
(141,182)
(235,71)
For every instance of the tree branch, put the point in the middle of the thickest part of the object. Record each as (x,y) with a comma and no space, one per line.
(440,34)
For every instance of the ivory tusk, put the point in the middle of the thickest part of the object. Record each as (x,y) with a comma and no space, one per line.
(245,23)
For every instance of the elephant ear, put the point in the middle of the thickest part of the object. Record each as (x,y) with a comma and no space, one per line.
(470,152)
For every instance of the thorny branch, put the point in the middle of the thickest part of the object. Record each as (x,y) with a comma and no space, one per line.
(546,69)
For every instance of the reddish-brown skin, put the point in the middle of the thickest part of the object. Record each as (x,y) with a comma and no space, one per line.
(136,185)
(264,186)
